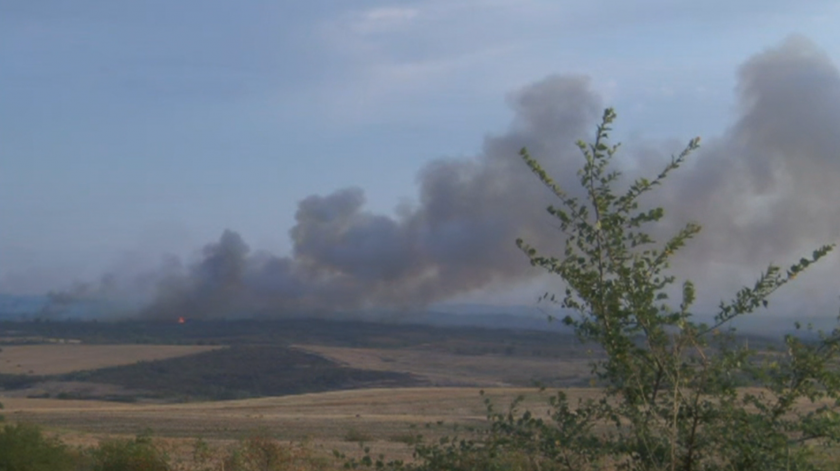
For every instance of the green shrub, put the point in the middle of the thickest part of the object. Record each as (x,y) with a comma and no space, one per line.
(138,454)
(672,388)
(672,396)
(25,448)
(261,452)
(356,435)
(406,438)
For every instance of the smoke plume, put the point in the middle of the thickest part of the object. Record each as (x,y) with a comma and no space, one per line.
(458,237)
(765,190)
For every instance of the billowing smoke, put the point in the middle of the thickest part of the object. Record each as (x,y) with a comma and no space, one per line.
(459,236)
(768,189)
(765,190)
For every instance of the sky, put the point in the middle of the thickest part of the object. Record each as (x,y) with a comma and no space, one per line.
(134,134)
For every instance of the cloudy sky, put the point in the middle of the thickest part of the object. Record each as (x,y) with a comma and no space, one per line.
(133,130)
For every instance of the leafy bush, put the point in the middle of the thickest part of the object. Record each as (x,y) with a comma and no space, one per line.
(406,438)
(25,448)
(671,384)
(356,435)
(261,452)
(673,396)
(138,454)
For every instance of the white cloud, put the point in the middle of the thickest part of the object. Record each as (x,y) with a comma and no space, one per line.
(380,20)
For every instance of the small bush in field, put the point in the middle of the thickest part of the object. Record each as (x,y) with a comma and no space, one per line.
(25,448)
(262,452)
(138,454)
(407,438)
(356,435)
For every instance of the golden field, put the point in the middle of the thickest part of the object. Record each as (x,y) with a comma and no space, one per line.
(329,420)
(54,359)
(448,369)
(382,418)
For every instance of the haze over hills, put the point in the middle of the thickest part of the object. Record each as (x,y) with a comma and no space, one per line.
(14,307)
(516,317)
(17,305)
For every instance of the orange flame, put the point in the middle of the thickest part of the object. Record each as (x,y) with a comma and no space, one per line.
(181,320)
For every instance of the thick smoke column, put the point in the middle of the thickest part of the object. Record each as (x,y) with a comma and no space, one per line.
(459,237)
(766,190)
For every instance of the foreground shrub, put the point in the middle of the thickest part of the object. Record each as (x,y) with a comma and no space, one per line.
(673,396)
(25,448)
(262,452)
(671,384)
(138,454)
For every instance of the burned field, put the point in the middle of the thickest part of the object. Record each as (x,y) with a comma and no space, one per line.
(223,360)
(238,372)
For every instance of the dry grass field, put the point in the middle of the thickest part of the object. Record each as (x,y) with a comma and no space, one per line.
(338,420)
(66,358)
(380,418)
(446,369)
(329,421)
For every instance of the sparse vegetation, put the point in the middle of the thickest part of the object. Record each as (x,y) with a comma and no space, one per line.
(24,448)
(406,438)
(137,454)
(357,436)
(27,448)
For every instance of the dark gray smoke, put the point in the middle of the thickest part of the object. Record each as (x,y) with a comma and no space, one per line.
(766,190)
(459,237)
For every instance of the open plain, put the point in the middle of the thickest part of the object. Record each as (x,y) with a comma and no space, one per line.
(450,366)
(448,369)
(385,419)
(333,379)
(52,359)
